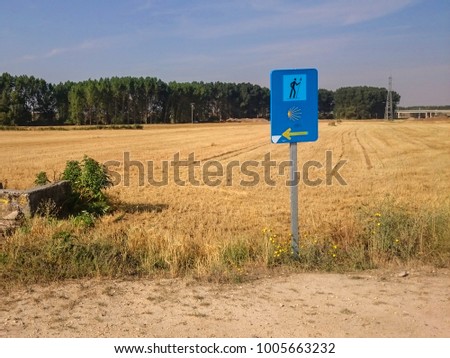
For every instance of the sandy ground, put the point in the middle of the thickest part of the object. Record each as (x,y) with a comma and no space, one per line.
(367,304)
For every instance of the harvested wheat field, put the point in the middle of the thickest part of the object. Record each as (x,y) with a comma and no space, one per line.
(207,253)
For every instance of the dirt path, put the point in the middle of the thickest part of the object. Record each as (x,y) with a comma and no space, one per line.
(368,304)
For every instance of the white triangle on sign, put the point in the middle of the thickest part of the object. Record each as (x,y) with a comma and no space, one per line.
(276,138)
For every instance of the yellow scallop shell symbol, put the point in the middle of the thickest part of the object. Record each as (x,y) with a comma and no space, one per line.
(294,113)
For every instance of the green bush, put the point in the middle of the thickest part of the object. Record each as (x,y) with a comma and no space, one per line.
(72,172)
(88,180)
(41,179)
(84,219)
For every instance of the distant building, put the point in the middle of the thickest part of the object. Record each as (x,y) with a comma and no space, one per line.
(421,113)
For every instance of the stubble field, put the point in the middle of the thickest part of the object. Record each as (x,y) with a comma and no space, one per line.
(408,161)
(405,161)
(394,174)
(391,217)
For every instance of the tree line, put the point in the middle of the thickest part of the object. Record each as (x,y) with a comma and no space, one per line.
(358,102)
(26,100)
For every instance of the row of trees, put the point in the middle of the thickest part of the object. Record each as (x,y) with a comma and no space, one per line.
(23,96)
(26,100)
(133,100)
(362,102)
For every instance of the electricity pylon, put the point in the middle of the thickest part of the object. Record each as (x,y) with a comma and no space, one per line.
(389,111)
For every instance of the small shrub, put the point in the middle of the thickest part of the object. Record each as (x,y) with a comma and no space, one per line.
(41,179)
(88,180)
(279,249)
(84,219)
(48,209)
(93,179)
(72,172)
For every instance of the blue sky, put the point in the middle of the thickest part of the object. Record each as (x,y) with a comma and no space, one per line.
(350,42)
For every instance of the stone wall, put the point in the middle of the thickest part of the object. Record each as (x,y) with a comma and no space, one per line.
(27,202)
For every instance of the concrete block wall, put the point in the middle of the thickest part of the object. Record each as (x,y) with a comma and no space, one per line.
(27,202)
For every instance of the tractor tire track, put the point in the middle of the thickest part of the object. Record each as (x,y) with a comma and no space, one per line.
(342,145)
(233,153)
(366,155)
(376,148)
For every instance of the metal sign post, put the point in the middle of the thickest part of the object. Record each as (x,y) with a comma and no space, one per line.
(294,118)
(294,199)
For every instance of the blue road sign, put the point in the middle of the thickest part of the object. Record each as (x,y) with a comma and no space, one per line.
(294,105)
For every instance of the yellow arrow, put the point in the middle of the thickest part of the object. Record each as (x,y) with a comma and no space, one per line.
(288,134)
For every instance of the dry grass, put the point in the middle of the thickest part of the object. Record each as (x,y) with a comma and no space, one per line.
(400,170)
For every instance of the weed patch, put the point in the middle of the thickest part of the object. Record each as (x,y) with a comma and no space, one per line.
(47,249)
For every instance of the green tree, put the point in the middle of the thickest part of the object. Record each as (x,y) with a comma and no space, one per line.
(43,102)
(4,109)
(92,97)
(61,95)
(77,104)
(362,102)
(326,103)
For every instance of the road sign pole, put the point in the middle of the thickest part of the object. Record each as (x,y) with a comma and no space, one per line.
(294,199)
(294,118)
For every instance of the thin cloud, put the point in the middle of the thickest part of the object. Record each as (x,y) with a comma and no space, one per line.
(253,16)
(334,12)
(293,48)
(354,11)
(95,44)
